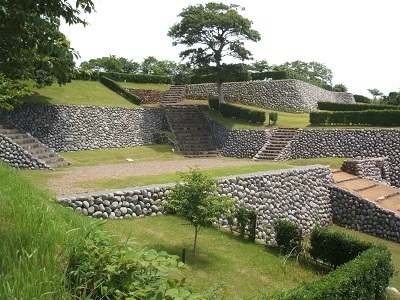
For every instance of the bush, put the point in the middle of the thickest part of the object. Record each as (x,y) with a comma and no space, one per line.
(334,248)
(367,117)
(112,85)
(333,106)
(213,103)
(273,117)
(100,267)
(361,98)
(242,113)
(137,78)
(287,236)
(246,220)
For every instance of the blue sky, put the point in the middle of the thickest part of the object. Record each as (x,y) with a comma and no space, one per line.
(356,39)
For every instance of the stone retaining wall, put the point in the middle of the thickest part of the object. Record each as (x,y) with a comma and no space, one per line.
(77,127)
(148,96)
(377,169)
(237,143)
(286,95)
(18,157)
(354,212)
(300,195)
(360,143)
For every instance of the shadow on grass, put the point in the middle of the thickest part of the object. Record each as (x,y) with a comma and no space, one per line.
(37,98)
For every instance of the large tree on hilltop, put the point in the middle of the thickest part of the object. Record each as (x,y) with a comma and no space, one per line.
(211,32)
(31,45)
(314,71)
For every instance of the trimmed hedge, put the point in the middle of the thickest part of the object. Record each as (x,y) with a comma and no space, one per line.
(335,248)
(112,85)
(333,106)
(367,117)
(120,77)
(361,98)
(241,113)
(364,270)
(365,277)
(287,235)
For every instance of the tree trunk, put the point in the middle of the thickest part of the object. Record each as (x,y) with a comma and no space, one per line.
(220,93)
(196,231)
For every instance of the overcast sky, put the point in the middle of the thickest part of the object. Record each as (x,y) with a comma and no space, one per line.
(357,39)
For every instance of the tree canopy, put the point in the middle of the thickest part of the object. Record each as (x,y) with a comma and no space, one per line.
(212,32)
(31,45)
(314,71)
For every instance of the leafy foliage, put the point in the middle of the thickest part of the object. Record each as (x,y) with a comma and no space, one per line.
(194,197)
(314,71)
(110,64)
(211,32)
(361,98)
(11,92)
(333,106)
(273,117)
(367,117)
(340,87)
(375,93)
(100,267)
(245,221)
(286,235)
(241,113)
(334,248)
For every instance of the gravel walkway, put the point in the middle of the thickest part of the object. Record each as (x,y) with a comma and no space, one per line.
(64,182)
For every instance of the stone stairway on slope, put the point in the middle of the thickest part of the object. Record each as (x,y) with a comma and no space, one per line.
(191,132)
(174,95)
(381,194)
(38,150)
(278,141)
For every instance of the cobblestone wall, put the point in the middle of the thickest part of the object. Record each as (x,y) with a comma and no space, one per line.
(354,212)
(148,96)
(377,169)
(300,195)
(76,127)
(286,95)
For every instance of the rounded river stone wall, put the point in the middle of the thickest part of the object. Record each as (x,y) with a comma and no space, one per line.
(148,96)
(287,95)
(77,127)
(354,212)
(350,143)
(16,156)
(300,195)
(237,143)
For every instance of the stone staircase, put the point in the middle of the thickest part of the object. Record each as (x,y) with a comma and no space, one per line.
(278,141)
(191,132)
(381,194)
(174,94)
(38,150)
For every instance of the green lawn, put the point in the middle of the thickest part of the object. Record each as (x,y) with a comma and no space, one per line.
(145,86)
(78,92)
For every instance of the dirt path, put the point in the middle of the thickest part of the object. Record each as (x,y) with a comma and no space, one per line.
(65,182)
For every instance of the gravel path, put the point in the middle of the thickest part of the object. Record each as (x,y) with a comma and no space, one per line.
(65,182)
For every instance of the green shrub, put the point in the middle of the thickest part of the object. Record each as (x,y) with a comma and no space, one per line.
(334,248)
(242,113)
(361,98)
(137,78)
(112,85)
(367,117)
(333,106)
(273,117)
(100,267)
(287,235)
(213,103)
(246,219)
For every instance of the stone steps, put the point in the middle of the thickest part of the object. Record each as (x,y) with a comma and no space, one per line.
(174,95)
(190,130)
(279,140)
(27,142)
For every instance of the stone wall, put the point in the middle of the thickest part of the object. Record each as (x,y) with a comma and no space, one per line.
(148,96)
(377,169)
(350,143)
(354,212)
(18,157)
(237,143)
(76,127)
(287,95)
(300,195)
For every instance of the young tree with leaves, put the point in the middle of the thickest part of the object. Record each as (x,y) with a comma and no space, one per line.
(194,197)
(211,32)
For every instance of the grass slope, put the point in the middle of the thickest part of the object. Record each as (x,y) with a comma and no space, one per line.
(78,92)
(33,236)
